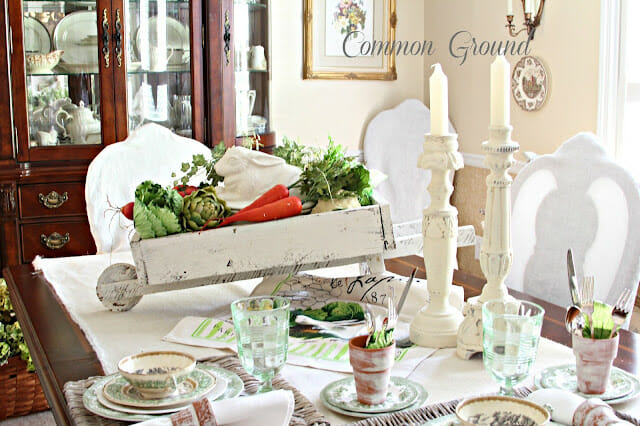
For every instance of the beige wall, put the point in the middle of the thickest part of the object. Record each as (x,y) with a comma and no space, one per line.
(312,109)
(567,43)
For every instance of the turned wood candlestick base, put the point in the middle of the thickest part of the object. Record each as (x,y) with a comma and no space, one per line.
(496,253)
(436,324)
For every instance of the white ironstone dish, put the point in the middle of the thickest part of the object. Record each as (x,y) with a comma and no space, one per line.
(177,35)
(503,410)
(42,63)
(77,35)
(36,37)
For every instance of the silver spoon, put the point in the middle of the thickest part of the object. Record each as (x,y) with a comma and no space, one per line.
(573,312)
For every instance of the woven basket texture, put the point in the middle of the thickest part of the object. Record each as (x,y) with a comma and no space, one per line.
(20,390)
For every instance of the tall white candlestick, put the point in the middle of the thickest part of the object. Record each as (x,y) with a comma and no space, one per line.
(509,7)
(500,76)
(439,102)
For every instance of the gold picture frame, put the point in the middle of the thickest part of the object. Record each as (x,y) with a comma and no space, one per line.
(325,54)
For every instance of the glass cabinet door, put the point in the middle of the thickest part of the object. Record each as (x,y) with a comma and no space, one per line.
(158,41)
(251,46)
(61,57)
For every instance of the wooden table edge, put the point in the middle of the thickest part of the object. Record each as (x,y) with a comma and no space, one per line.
(51,386)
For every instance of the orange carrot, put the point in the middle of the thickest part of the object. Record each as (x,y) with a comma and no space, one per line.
(276,193)
(285,207)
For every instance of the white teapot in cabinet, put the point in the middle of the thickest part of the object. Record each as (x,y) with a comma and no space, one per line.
(79,124)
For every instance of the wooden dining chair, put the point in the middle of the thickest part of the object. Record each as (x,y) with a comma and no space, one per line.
(152,152)
(575,198)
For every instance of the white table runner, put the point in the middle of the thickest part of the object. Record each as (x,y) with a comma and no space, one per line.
(114,335)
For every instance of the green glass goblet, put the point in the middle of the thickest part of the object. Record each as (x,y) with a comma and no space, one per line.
(262,333)
(511,332)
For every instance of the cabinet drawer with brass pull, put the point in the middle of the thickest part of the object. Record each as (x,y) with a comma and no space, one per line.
(52,199)
(56,239)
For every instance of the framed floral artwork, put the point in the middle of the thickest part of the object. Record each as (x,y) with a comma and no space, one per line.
(349,39)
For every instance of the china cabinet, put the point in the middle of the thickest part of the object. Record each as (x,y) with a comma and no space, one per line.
(252,76)
(78,75)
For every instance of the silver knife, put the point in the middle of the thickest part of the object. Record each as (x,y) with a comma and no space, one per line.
(407,286)
(573,283)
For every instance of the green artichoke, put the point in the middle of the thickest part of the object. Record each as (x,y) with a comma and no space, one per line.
(203,207)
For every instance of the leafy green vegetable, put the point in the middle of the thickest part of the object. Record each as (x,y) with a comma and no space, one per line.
(381,339)
(335,176)
(11,338)
(199,162)
(156,211)
(601,321)
(295,154)
(334,311)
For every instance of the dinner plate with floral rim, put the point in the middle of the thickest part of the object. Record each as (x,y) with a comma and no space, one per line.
(622,385)
(199,383)
(340,396)
(90,398)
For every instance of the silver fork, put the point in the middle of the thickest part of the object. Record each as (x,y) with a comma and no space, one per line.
(621,310)
(392,313)
(587,299)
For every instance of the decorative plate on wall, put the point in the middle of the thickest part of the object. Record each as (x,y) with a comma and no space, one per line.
(529,83)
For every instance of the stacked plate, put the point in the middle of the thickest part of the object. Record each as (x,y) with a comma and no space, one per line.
(622,385)
(340,396)
(114,398)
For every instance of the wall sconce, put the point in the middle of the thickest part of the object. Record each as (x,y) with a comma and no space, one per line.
(531,19)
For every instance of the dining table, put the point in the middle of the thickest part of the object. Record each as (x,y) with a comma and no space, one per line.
(62,352)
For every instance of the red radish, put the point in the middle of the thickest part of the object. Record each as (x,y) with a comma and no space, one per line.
(185,190)
(127,210)
(276,193)
(285,207)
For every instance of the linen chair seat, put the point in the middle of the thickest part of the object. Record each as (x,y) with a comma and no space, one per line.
(575,198)
(152,152)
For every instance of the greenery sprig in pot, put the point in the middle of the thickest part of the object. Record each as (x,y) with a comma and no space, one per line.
(11,338)
(595,349)
(372,356)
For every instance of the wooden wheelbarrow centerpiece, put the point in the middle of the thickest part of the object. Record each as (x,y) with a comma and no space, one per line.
(248,251)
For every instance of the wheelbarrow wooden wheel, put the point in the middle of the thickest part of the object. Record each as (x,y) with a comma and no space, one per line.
(112,285)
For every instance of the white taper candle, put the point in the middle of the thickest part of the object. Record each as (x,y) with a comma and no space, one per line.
(439,101)
(500,77)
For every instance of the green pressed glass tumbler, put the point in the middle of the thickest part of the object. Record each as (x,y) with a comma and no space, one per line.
(262,333)
(511,332)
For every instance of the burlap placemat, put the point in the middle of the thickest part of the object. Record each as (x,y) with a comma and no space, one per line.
(422,415)
(304,414)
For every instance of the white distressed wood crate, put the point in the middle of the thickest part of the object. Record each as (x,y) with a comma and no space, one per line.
(249,251)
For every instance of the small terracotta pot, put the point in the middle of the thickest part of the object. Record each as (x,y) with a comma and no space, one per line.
(371,370)
(593,362)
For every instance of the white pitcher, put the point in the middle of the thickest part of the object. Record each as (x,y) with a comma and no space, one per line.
(245,101)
